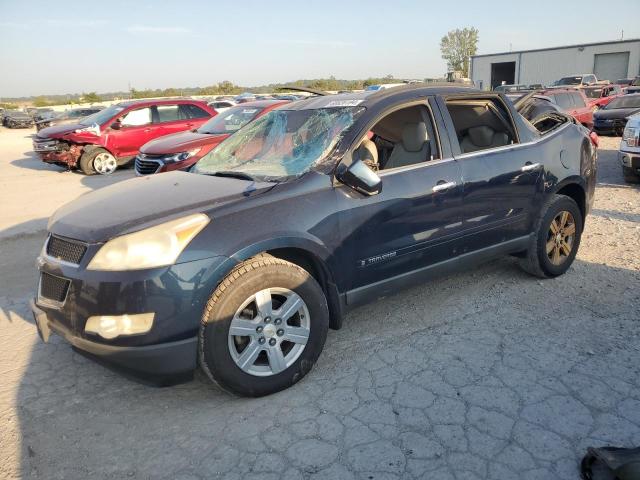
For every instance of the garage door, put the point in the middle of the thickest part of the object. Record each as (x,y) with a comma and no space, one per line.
(611,66)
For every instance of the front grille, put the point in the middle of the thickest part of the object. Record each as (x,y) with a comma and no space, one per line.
(147,166)
(45,145)
(53,288)
(65,250)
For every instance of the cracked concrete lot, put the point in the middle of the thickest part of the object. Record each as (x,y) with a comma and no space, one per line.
(490,374)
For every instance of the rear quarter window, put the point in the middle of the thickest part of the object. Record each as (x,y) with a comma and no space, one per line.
(193,111)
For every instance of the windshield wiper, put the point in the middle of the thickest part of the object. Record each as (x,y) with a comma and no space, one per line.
(233,174)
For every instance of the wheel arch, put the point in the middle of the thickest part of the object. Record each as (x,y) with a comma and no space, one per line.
(574,188)
(309,255)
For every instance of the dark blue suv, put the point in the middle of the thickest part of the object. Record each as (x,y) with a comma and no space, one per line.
(243,264)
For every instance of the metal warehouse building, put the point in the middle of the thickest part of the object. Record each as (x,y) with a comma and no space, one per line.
(607,60)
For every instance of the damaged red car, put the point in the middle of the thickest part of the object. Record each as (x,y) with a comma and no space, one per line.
(181,150)
(112,137)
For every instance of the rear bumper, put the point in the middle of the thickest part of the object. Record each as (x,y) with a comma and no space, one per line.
(153,362)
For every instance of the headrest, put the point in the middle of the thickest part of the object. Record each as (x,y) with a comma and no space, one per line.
(367,152)
(414,136)
(481,136)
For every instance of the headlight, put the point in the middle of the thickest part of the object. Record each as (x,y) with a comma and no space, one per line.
(94,129)
(153,247)
(630,136)
(179,157)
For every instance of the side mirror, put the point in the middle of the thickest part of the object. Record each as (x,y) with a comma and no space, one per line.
(360,177)
(116,125)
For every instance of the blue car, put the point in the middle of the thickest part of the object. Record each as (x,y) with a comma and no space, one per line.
(241,265)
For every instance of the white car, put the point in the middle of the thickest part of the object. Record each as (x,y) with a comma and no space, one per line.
(629,154)
(221,105)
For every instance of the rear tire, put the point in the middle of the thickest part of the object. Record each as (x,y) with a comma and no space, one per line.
(253,347)
(630,176)
(556,238)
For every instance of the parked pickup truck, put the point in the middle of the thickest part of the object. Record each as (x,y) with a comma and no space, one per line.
(629,154)
(242,265)
(111,137)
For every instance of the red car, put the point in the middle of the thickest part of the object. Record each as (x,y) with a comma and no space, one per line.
(572,101)
(181,150)
(111,137)
(598,97)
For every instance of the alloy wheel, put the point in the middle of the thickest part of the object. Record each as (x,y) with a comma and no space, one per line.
(269,331)
(560,237)
(104,163)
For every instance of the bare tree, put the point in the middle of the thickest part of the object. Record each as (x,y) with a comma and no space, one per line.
(457,46)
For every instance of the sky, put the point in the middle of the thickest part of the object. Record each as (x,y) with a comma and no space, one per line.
(59,47)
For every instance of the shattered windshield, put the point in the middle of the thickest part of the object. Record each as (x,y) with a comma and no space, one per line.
(281,144)
(102,116)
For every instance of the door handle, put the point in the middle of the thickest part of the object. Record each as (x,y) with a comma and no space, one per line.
(441,186)
(530,166)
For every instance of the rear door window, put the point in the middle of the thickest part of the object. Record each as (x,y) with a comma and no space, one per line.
(481,124)
(141,116)
(169,113)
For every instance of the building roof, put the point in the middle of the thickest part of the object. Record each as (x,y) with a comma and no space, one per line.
(631,40)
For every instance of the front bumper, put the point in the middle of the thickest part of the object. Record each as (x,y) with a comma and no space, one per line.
(20,124)
(56,154)
(176,295)
(630,160)
(154,362)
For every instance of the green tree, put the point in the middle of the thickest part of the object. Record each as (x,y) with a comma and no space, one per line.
(457,46)
(227,88)
(91,97)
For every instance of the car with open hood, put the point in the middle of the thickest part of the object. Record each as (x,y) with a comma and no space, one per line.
(180,151)
(112,137)
(242,265)
(611,119)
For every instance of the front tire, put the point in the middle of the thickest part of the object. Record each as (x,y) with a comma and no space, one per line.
(263,328)
(556,238)
(97,160)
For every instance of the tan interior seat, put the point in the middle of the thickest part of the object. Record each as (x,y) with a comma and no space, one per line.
(414,147)
(482,137)
(368,153)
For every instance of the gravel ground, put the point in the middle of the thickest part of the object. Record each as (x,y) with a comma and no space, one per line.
(490,374)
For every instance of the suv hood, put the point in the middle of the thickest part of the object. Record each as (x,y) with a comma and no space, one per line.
(142,202)
(180,142)
(58,131)
(615,113)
